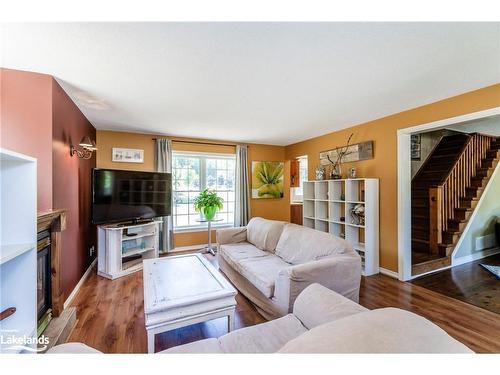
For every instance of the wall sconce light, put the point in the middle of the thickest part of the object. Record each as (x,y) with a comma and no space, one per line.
(87,148)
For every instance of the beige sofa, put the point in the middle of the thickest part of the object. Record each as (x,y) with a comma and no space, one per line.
(324,322)
(271,262)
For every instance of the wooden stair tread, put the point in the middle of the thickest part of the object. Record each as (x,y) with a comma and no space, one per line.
(419,240)
(456,221)
(420,217)
(430,265)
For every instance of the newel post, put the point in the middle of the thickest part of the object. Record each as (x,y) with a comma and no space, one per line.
(435,218)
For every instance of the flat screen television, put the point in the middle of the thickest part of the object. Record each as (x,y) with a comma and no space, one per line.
(124,196)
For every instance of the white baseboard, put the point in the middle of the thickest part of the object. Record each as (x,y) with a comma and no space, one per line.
(79,285)
(188,248)
(475,256)
(385,271)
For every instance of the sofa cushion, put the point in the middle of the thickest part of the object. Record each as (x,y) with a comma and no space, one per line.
(196,347)
(72,348)
(386,330)
(267,337)
(317,305)
(299,244)
(234,253)
(264,233)
(262,272)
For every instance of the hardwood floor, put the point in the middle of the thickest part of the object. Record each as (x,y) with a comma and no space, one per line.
(111,318)
(477,328)
(469,282)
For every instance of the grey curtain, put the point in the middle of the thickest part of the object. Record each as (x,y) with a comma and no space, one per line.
(163,162)
(242,186)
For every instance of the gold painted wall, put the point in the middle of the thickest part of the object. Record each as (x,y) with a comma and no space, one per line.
(384,165)
(278,209)
(275,209)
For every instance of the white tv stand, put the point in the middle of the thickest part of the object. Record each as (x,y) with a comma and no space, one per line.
(122,248)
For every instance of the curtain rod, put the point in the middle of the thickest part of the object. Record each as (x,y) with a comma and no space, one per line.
(200,142)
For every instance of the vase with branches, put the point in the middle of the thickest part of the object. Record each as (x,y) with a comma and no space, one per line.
(342,152)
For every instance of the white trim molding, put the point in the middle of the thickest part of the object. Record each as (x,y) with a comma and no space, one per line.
(79,285)
(187,248)
(385,271)
(404,183)
(475,256)
(404,206)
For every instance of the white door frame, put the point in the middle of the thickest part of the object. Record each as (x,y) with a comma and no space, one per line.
(404,182)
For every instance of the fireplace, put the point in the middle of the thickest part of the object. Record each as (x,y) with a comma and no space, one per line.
(49,291)
(43,284)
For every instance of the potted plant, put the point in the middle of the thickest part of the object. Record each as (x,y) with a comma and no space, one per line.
(208,202)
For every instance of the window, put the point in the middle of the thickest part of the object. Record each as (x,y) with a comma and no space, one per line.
(191,173)
(298,192)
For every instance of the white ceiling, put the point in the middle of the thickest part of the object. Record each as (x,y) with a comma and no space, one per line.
(275,83)
(489,126)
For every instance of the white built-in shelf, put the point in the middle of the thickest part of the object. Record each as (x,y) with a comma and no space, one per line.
(333,200)
(359,246)
(326,202)
(355,225)
(9,252)
(18,255)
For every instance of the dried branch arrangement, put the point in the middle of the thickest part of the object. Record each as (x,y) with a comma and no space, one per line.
(341,153)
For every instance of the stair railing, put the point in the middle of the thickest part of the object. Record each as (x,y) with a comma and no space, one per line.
(444,198)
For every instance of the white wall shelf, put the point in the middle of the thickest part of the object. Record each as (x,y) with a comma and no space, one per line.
(328,205)
(9,252)
(115,248)
(18,269)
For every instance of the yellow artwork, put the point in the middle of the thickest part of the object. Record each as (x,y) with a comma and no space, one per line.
(267,179)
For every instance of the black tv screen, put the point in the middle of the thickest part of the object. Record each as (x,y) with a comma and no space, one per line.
(119,196)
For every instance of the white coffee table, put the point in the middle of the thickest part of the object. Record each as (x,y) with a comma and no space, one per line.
(183,290)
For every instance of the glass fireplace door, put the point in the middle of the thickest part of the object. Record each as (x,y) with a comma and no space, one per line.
(43,282)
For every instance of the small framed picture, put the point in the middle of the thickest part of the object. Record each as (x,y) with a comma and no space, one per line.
(127,155)
(415,147)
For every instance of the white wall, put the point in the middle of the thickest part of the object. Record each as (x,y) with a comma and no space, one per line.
(482,223)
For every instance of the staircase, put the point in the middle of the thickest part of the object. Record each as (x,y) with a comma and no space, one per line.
(445,192)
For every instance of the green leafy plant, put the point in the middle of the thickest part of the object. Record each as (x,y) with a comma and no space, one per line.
(208,202)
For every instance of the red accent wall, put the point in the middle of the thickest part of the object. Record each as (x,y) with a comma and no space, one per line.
(26,123)
(71,184)
(39,119)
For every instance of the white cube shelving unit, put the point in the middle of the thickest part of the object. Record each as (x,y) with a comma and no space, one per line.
(18,268)
(328,205)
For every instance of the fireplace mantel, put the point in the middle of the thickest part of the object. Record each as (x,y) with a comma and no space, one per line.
(55,221)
